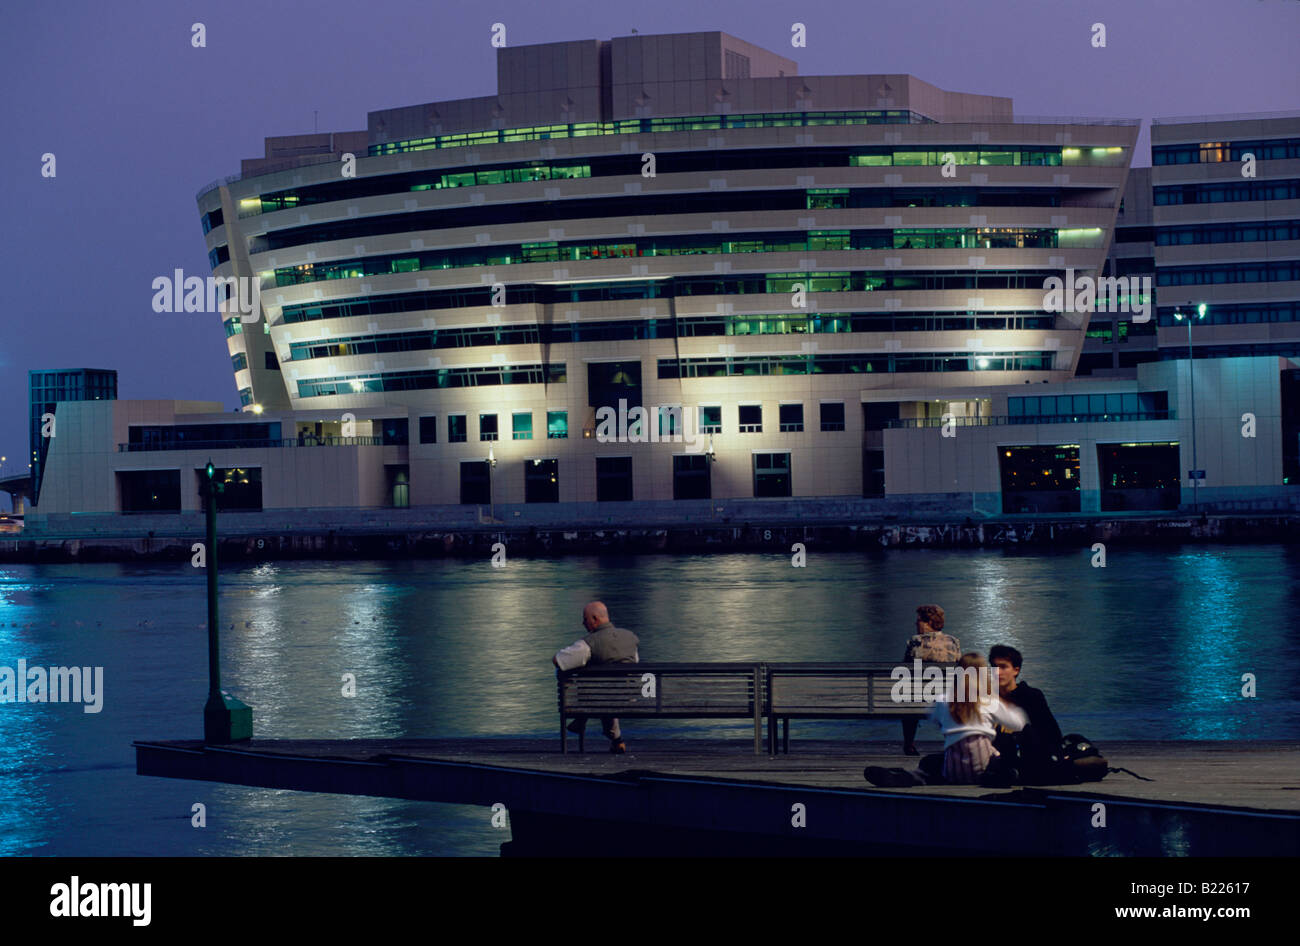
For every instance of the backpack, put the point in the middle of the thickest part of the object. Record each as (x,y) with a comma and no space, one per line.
(1080,760)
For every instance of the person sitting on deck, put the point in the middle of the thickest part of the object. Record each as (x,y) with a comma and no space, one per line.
(966,719)
(929,643)
(604,644)
(1026,756)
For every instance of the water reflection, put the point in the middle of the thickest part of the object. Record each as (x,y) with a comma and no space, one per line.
(1151,647)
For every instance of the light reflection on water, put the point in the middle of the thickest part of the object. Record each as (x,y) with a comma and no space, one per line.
(1151,647)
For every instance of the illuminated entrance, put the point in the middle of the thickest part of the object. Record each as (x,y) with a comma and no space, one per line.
(1138,476)
(1040,478)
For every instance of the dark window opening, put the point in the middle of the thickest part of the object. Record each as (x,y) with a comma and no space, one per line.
(691,477)
(541,481)
(429,429)
(613,479)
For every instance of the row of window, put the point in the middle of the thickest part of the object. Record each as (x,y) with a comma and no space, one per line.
(521,427)
(1273,149)
(1001,157)
(706,367)
(1270,349)
(645,126)
(1121,328)
(1253,271)
(527,293)
(1072,405)
(1243,314)
(1228,233)
(668,162)
(1221,193)
(649,329)
(691,478)
(679,286)
(481,376)
(721,366)
(814,241)
(669,422)
(715,204)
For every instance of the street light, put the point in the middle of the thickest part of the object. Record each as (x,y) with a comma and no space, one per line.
(1196,473)
(711,456)
(492,500)
(225,719)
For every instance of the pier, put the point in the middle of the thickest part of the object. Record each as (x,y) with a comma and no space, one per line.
(708,797)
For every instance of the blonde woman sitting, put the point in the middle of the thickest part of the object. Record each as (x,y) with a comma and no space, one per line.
(967,719)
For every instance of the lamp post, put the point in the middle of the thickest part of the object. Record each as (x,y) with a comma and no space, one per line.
(711,456)
(492,500)
(225,719)
(1196,473)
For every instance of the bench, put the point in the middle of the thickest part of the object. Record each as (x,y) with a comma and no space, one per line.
(663,691)
(835,691)
(750,691)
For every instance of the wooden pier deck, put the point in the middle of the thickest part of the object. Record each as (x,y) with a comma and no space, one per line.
(701,796)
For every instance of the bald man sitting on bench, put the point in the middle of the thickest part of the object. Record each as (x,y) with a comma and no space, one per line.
(604,644)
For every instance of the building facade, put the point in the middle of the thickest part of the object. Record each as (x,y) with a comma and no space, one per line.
(808,286)
(45,389)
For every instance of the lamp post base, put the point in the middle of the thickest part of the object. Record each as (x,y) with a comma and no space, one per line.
(226,719)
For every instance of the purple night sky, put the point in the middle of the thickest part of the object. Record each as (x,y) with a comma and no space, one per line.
(139,120)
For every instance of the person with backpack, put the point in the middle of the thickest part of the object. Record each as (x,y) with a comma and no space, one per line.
(1030,756)
(928,643)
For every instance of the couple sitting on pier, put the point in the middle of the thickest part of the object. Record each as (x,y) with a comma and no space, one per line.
(988,740)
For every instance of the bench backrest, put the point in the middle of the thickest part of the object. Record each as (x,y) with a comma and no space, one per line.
(708,690)
(728,690)
(842,689)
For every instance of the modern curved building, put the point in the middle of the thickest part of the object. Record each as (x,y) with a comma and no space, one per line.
(675,220)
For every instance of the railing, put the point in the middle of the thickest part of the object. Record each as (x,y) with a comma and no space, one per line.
(1243,117)
(1037,120)
(310,440)
(1117,417)
(287,164)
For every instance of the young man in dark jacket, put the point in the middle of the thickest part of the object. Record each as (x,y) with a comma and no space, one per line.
(1027,756)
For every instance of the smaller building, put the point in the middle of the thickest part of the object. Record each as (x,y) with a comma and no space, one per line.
(1092,445)
(45,389)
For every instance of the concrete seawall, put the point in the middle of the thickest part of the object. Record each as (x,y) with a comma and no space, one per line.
(315,540)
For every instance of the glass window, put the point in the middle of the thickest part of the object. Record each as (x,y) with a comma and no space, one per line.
(670,421)
(522,426)
(711,419)
(487,427)
(557,425)
(791,418)
(394,431)
(475,482)
(429,429)
(456,428)
(613,479)
(832,417)
(771,474)
(691,477)
(751,418)
(541,481)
